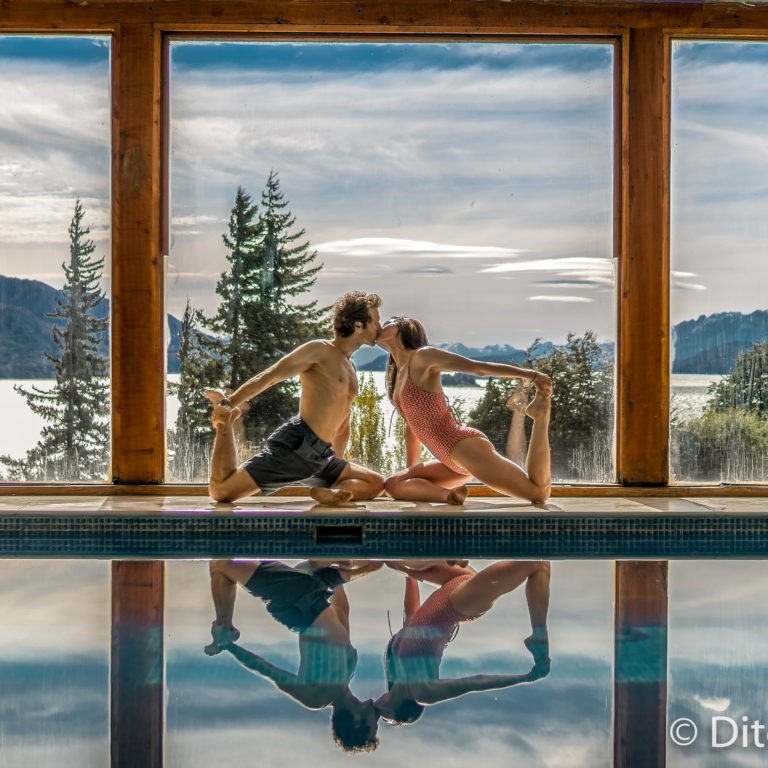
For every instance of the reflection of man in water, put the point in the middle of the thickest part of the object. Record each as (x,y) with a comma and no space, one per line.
(414,654)
(308,599)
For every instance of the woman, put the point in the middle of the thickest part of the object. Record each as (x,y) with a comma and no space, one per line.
(413,656)
(413,385)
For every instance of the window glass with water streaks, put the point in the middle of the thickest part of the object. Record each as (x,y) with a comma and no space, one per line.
(470,185)
(719,258)
(54,258)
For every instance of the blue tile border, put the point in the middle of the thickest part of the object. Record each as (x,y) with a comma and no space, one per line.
(184,536)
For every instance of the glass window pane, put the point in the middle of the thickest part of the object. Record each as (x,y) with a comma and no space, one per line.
(469,185)
(54,663)
(719,259)
(220,708)
(54,258)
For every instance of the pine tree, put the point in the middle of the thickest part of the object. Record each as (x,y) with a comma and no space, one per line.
(191,440)
(238,288)
(273,323)
(74,444)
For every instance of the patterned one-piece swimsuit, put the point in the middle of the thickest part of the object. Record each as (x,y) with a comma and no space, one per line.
(431,420)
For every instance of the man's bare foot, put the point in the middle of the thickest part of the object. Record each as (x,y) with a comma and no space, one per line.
(539,406)
(222,416)
(332,497)
(223,637)
(458,495)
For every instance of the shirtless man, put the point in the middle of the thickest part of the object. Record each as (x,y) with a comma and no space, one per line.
(307,448)
(308,599)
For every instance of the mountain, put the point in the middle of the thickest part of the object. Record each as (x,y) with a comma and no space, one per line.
(711,343)
(26,333)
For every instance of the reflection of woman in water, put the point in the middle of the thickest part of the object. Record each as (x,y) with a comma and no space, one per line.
(413,385)
(414,654)
(310,600)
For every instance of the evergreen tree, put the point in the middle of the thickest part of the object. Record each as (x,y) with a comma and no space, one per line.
(238,288)
(746,387)
(582,408)
(274,323)
(74,444)
(191,439)
(257,321)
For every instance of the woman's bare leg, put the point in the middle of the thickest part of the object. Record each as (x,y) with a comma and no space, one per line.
(477,595)
(477,456)
(431,481)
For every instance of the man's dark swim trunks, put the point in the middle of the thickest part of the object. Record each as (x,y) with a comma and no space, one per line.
(294,596)
(294,453)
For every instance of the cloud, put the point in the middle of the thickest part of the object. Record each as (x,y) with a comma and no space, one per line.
(390,247)
(715,704)
(426,271)
(590,268)
(564,299)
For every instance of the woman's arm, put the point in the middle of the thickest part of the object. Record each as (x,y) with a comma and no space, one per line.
(442,690)
(411,601)
(439,360)
(412,446)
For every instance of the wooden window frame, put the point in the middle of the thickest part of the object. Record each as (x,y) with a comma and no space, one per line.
(642,33)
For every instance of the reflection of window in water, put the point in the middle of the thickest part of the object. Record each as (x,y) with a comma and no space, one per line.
(719,277)
(54,662)
(438,175)
(54,274)
(259,714)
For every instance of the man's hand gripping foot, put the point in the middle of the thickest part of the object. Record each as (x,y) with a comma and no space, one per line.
(223,413)
(223,637)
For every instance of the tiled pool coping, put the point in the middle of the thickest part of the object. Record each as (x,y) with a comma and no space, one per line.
(176,527)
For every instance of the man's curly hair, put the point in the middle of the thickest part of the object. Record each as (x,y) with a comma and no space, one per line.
(353,308)
(349,737)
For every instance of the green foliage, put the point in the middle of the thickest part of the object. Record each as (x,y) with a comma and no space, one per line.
(729,441)
(582,408)
(367,435)
(746,387)
(729,445)
(74,444)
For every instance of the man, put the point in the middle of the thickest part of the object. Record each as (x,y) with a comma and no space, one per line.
(307,448)
(309,599)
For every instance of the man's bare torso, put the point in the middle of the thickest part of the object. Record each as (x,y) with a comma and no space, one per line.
(327,390)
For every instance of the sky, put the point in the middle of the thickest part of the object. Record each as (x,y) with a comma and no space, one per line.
(468,184)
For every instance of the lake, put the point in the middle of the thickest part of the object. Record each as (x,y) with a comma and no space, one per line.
(22,427)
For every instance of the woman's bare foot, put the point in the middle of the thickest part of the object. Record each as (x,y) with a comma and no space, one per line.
(332,497)
(539,406)
(223,636)
(538,645)
(458,495)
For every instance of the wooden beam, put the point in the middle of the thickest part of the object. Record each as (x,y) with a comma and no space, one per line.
(136,664)
(643,350)
(138,316)
(640,669)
